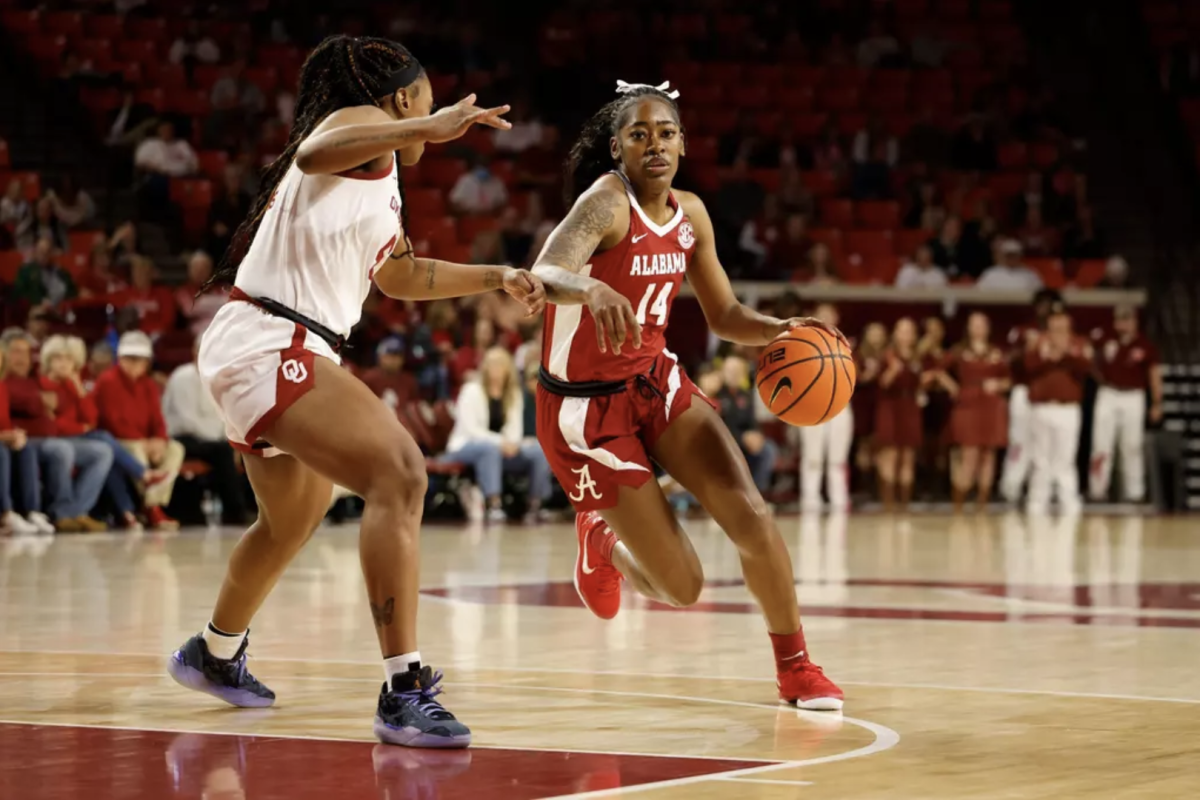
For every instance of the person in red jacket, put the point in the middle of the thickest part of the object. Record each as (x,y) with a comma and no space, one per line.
(130,408)
(155,304)
(17,460)
(76,415)
(1057,366)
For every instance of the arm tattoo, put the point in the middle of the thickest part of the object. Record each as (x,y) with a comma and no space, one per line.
(383,614)
(430,268)
(491,279)
(399,137)
(576,238)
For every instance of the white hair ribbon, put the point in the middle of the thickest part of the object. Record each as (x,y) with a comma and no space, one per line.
(664,87)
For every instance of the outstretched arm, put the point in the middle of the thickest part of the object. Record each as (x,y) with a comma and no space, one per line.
(598,219)
(728,317)
(407,277)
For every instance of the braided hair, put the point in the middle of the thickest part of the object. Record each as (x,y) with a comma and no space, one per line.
(340,72)
(591,155)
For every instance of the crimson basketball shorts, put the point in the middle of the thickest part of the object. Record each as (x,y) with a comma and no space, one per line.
(599,442)
(255,366)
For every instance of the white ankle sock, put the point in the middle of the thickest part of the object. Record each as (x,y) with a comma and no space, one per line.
(398,665)
(222,644)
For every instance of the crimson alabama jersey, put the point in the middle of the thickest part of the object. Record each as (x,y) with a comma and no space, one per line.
(647,266)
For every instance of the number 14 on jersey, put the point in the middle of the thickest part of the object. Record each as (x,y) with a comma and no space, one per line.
(660,307)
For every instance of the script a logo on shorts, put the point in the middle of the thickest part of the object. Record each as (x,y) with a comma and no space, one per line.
(293,371)
(585,485)
(785,381)
(687,235)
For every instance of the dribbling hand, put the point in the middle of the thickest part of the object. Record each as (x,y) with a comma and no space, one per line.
(615,320)
(453,121)
(785,325)
(526,288)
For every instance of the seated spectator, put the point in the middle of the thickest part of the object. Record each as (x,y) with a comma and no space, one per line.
(194,421)
(166,156)
(41,281)
(123,244)
(155,304)
(921,272)
(867,142)
(946,246)
(130,122)
(526,130)
(18,468)
(194,46)
(1033,196)
(100,359)
(872,179)
(974,149)
(1035,237)
(829,153)
(73,206)
(789,253)
(467,358)
(1008,273)
(75,416)
(879,48)
(230,208)
(736,400)
(926,142)
(32,410)
(760,235)
(130,408)
(478,191)
(739,199)
(488,248)
(794,196)
(927,211)
(198,309)
(489,435)
(44,224)
(740,143)
(530,349)
(975,248)
(1082,240)
(387,379)
(516,234)
(819,268)
(14,212)
(1116,274)
(237,104)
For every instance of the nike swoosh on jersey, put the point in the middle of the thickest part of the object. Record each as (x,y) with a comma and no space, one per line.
(638,238)
(784,381)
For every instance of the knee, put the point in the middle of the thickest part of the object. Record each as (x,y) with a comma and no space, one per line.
(749,523)
(684,587)
(398,476)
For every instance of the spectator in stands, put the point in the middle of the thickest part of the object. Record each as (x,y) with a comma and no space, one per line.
(880,48)
(18,467)
(516,236)
(1008,273)
(237,104)
(737,403)
(1116,274)
(229,209)
(926,142)
(759,235)
(14,211)
(100,359)
(130,122)
(526,131)
(122,244)
(165,156)
(872,178)
(32,410)
(488,248)
(820,268)
(947,244)
(199,309)
(741,142)
(387,379)
(1082,240)
(73,207)
(864,148)
(1035,237)
(789,253)
(37,326)
(530,349)
(99,279)
(44,224)
(155,303)
(921,272)
(739,199)
(42,281)
(829,153)
(1033,196)
(478,190)
(974,149)
(193,420)
(794,196)
(467,358)
(489,435)
(193,47)
(926,209)
(130,408)
(975,250)
(75,416)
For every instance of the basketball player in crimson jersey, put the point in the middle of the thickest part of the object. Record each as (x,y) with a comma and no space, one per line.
(612,398)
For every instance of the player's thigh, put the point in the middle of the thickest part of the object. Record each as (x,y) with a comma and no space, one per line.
(340,429)
(292,498)
(698,450)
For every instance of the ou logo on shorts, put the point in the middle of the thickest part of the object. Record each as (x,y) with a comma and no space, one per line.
(294,371)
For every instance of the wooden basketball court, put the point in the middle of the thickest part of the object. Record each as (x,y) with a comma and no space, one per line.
(993,657)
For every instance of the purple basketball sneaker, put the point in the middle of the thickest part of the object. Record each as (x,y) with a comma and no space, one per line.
(228,679)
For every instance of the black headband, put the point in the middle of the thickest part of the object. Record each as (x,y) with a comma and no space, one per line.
(403,76)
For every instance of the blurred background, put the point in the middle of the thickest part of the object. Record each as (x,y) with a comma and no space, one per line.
(919,159)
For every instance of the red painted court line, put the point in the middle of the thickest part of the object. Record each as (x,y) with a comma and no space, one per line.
(67,763)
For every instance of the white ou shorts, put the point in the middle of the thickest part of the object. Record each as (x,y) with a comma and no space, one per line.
(255,365)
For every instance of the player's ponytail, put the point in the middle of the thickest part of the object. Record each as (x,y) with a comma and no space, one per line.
(591,155)
(340,72)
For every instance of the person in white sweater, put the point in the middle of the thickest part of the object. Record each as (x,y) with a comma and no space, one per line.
(195,422)
(489,435)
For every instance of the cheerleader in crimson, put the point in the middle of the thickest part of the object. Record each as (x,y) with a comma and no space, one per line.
(898,416)
(612,397)
(868,360)
(977,374)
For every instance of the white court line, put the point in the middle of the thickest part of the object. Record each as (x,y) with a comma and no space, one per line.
(630,674)
(885,737)
(763,780)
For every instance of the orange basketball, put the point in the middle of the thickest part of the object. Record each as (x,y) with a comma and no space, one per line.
(806,376)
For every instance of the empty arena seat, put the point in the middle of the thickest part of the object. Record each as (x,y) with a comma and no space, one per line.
(471,227)
(10,262)
(836,212)
(868,244)
(905,241)
(64,23)
(442,172)
(1050,270)
(876,214)
(213,163)
(1089,272)
(428,202)
(1012,155)
(5,161)
(83,241)
(881,269)
(822,183)
(192,192)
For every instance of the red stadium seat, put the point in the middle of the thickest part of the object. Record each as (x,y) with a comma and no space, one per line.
(851,122)
(839,99)
(10,262)
(30,180)
(808,126)
(769,178)
(890,78)
(719,121)
(105,26)
(806,76)
(836,212)
(846,77)
(795,98)
(442,172)
(4,158)
(153,97)
(768,75)
(65,23)
(995,10)
(868,244)
(887,99)
(905,241)
(830,237)
(912,9)
(822,183)
(702,149)
(470,227)
(205,75)
(143,51)
(1050,270)
(1012,155)
(753,96)
(192,193)
(881,269)
(46,48)
(878,214)
(457,253)
(82,241)
(24,23)
(767,124)
(426,202)
(148,29)
(505,171)
(213,162)
(1089,273)
(1044,154)
(1005,185)
(265,78)
(172,77)
(76,263)
(190,104)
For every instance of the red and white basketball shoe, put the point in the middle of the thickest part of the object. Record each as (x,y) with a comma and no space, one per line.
(597,581)
(803,684)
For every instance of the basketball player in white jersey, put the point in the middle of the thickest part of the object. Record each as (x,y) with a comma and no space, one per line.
(827,447)
(329,220)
